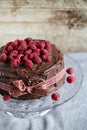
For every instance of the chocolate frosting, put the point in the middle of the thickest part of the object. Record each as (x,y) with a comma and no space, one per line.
(33,76)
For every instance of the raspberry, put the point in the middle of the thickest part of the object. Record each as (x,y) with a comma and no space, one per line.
(71,79)
(29,63)
(41,45)
(28,40)
(44,57)
(13,53)
(10,57)
(55,96)
(32,46)
(44,52)
(19,56)
(70,70)
(6,97)
(37,51)
(15,43)
(16,47)
(3,57)
(32,55)
(29,51)
(15,62)
(37,42)
(37,60)
(48,46)
(21,52)
(10,48)
(48,59)
(4,51)
(6,46)
(22,46)
(25,57)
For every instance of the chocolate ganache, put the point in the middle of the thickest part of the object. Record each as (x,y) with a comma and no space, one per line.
(26,78)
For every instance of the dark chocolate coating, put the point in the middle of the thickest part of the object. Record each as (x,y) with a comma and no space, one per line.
(33,76)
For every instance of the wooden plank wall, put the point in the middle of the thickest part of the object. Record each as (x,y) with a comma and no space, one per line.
(63,22)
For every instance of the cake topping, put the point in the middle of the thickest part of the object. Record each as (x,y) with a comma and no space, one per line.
(6,97)
(26,52)
(37,60)
(22,46)
(3,57)
(70,70)
(29,63)
(15,62)
(71,79)
(55,96)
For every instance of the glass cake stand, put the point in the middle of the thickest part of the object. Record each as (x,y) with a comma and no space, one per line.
(41,106)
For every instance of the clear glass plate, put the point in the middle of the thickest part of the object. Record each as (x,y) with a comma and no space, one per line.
(42,106)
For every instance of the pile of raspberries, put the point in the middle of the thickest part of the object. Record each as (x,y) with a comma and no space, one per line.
(26,52)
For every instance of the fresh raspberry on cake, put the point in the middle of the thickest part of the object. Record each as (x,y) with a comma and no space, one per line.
(15,62)
(27,52)
(22,46)
(3,57)
(32,46)
(29,63)
(37,60)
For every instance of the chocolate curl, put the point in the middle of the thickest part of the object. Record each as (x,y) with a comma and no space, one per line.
(19,84)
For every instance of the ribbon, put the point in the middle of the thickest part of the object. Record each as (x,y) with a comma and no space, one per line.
(54,79)
(39,89)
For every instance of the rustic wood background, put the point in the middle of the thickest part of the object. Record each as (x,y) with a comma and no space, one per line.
(63,22)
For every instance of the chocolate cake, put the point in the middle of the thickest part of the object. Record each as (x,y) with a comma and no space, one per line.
(30,69)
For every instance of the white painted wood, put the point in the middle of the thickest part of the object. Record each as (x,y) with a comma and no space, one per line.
(42,15)
(63,22)
(59,4)
(66,39)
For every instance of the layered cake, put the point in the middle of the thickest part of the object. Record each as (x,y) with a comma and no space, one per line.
(30,69)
